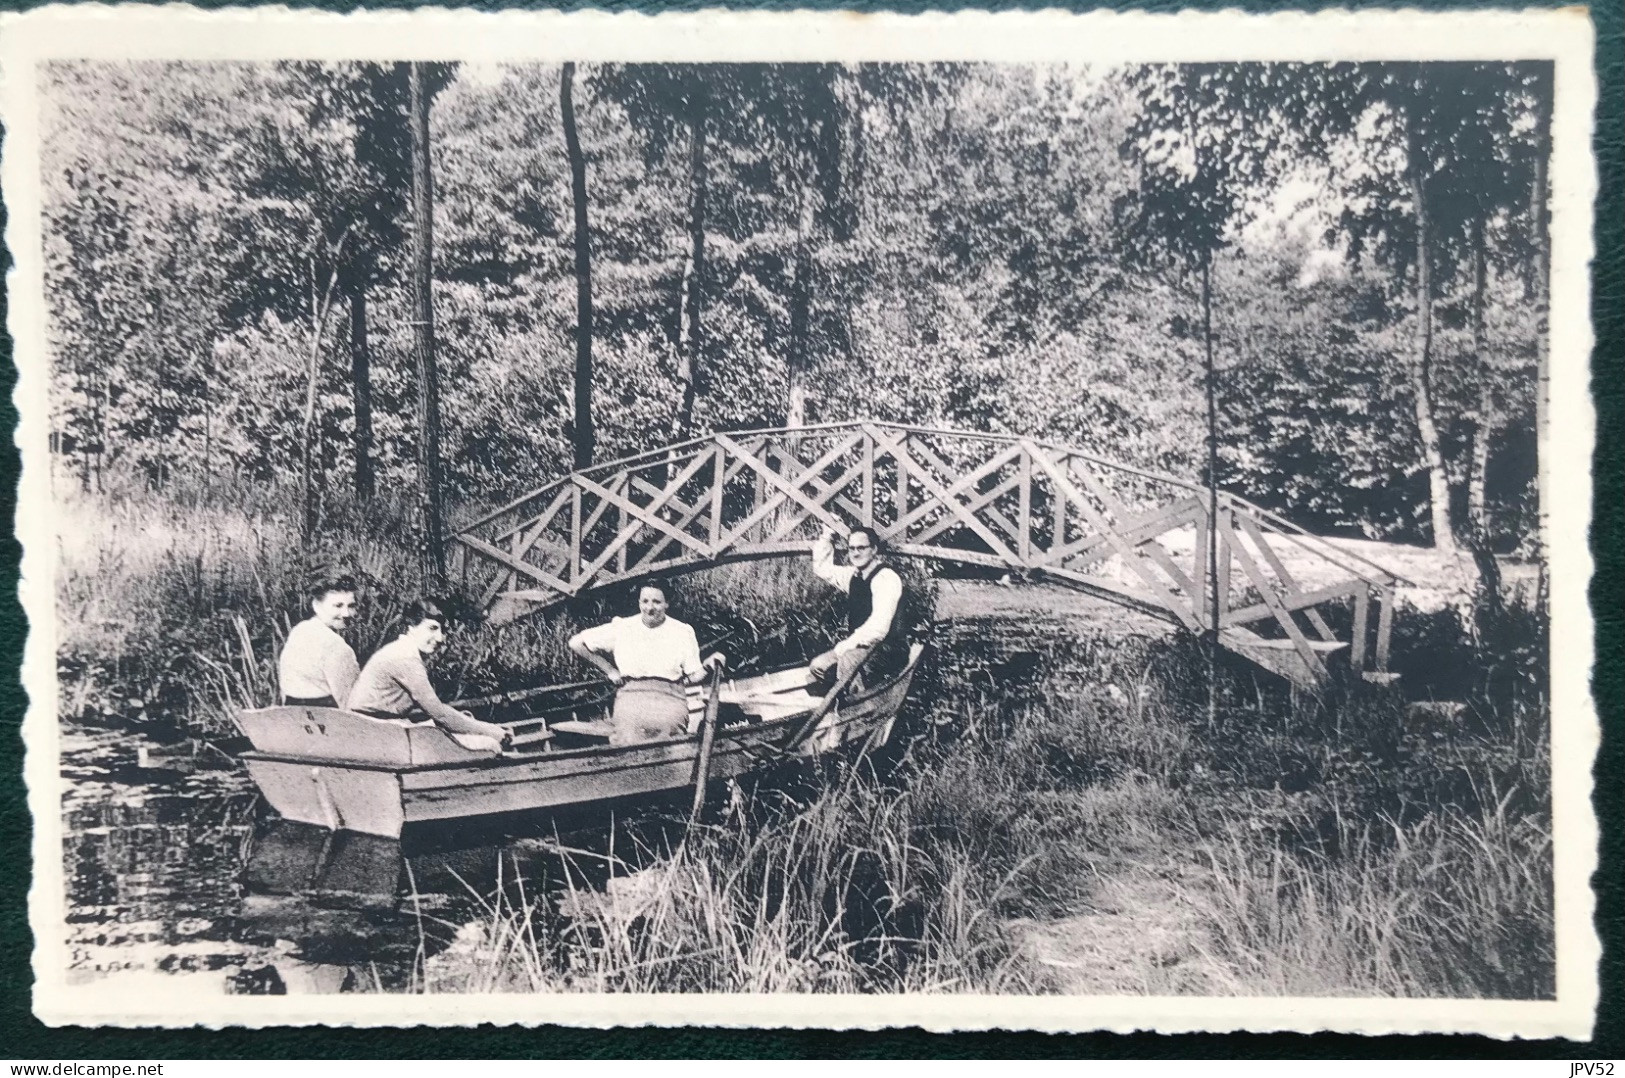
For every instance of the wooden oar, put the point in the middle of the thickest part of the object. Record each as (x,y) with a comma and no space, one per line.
(708,738)
(524,694)
(810,723)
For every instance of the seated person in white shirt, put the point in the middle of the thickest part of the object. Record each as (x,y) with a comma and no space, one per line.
(395,684)
(316,667)
(649,657)
(873,592)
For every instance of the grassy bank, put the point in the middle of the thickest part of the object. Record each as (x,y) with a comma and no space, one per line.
(835,894)
(1292,843)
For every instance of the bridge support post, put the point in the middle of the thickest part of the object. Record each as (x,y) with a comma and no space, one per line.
(902,479)
(1024,512)
(719,462)
(575,534)
(624,489)
(1207,610)
(867,502)
(1385,626)
(1362,627)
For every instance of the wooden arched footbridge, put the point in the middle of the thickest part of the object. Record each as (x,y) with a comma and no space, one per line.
(1036,509)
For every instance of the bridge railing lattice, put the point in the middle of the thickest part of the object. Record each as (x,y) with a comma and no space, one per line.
(1163,545)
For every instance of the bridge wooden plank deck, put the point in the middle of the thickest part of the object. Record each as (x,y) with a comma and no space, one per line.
(1285,598)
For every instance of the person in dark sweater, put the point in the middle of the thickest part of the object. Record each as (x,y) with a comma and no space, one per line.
(874,592)
(395,684)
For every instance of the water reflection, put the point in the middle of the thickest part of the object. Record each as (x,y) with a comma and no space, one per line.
(346,911)
(152,854)
(169,878)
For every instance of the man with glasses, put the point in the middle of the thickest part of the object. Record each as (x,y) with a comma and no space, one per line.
(873,593)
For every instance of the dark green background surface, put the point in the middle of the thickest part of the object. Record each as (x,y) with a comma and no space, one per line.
(24,1038)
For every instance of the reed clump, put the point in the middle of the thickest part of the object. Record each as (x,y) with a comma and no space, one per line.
(1456,903)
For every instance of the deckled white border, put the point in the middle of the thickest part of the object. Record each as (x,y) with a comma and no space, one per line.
(176,32)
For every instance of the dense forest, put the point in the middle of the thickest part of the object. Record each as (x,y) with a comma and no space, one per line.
(627,255)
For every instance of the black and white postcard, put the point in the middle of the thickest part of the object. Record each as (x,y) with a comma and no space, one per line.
(1030,520)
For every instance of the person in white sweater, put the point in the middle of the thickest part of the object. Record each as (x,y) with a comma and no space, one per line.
(317,667)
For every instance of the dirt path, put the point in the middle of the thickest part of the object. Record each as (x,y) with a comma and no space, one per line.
(1137,934)
(1136,929)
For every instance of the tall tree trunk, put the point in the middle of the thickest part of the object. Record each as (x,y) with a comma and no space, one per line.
(103,428)
(208,426)
(1484,427)
(432,552)
(361,389)
(856,148)
(1541,235)
(321,302)
(1444,537)
(852,162)
(583,431)
(87,427)
(796,362)
(1210,389)
(692,334)
(206,369)
(307,492)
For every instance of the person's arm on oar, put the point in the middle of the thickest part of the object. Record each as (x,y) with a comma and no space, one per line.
(415,680)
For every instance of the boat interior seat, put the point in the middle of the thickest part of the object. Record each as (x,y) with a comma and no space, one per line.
(585,728)
(772,705)
(530,737)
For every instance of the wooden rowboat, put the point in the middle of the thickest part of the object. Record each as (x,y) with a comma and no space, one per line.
(345,771)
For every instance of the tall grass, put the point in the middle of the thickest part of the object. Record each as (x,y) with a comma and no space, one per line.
(1458,903)
(843,895)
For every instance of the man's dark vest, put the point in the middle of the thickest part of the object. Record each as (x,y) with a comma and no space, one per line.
(860,599)
(892,651)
